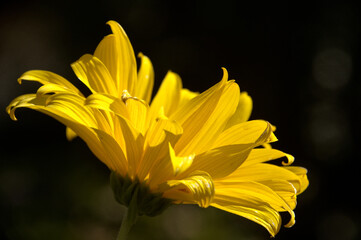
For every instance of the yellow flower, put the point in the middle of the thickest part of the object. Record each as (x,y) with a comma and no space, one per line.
(183,146)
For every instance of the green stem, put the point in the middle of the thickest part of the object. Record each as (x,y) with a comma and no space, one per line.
(125,226)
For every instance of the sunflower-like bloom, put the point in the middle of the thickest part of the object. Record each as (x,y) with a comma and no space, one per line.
(182,146)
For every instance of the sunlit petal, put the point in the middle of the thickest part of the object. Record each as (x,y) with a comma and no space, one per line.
(243,111)
(123,59)
(168,95)
(145,82)
(92,72)
(46,77)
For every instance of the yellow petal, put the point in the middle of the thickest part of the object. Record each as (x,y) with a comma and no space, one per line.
(50,88)
(70,134)
(145,83)
(72,106)
(221,161)
(203,127)
(80,128)
(185,96)
(106,53)
(264,173)
(255,211)
(254,191)
(134,142)
(259,155)
(261,172)
(180,164)
(114,110)
(243,111)
(302,183)
(107,103)
(197,188)
(285,189)
(166,167)
(161,132)
(167,96)
(46,77)
(208,129)
(92,72)
(256,131)
(115,154)
(123,59)
(138,114)
(23,101)
(189,109)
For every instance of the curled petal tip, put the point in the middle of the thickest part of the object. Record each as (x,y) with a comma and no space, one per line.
(225,74)
(290,160)
(291,222)
(140,55)
(111,22)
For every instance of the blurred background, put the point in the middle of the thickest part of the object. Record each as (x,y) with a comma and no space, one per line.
(300,63)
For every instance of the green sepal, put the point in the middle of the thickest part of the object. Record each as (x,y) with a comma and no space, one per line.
(137,197)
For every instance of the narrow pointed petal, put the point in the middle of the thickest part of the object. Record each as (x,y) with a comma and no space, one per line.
(134,142)
(243,111)
(220,162)
(51,88)
(302,183)
(261,172)
(168,95)
(254,191)
(71,115)
(23,101)
(115,156)
(260,155)
(72,106)
(202,129)
(107,103)
(195,104)
(161,133)
(124,59)
(256,131)
(180,164)
(70,134)
(106,53)
(92,72)
(46,77)
(264,172)
(145,83)
(186,96)
(255,211)
(285,189)
(138,114)
(168,167)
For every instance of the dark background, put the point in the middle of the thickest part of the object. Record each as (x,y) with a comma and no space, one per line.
(300,63)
